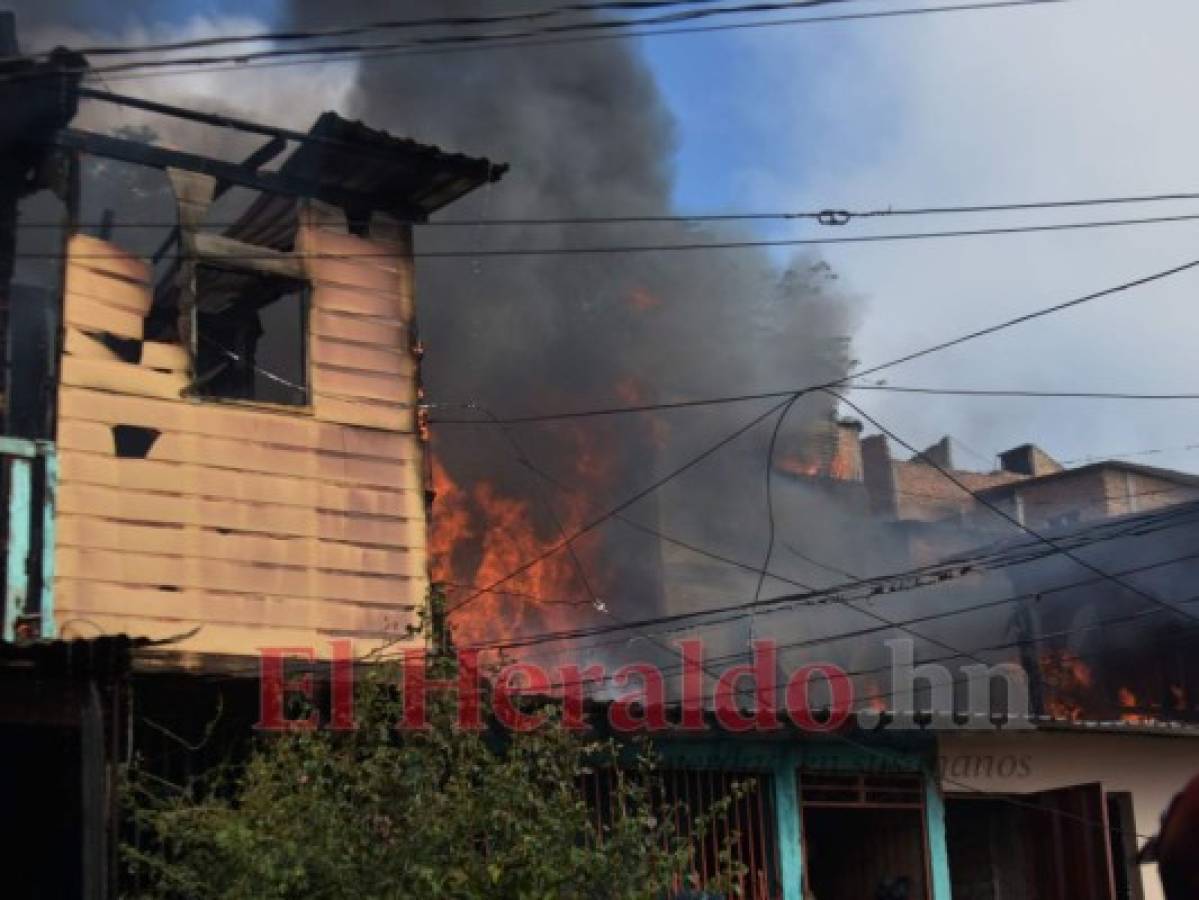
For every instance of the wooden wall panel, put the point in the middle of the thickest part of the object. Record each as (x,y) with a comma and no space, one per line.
(220,609)
(86,312)
(231,421)
(386,333)
(98,532)
(201,481)
(265,526)
(100,256)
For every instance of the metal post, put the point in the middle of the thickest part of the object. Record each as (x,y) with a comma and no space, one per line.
(789,828)
(49,455)
(938,848)
(16,578)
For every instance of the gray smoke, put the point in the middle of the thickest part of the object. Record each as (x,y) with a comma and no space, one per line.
(586,133)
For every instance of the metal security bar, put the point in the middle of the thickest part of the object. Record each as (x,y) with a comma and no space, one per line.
(862,791)
(746,827)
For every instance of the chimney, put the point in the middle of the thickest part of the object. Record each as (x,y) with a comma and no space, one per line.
(1029,459)
(939,454)
(878,475)
(847,456)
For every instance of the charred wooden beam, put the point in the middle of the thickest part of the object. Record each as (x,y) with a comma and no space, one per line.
(254,161)
(223,251)
(234,173)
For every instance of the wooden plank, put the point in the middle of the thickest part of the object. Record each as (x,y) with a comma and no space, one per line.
(103,256)
(226,421)
(384,332)
(224,609)
(129,296)
(226,639)
(357,357)
(367,385)
(353,300)
(154,354)
(122,378)
(330,272)
(85,312)
(217,249)
(388,255)
(126,567)
(171,357)
(203,481)
(96,533)
(219,453)
(262,518)
(365,414)
(76,343)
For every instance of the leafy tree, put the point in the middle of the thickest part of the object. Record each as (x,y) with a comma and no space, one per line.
(443,813)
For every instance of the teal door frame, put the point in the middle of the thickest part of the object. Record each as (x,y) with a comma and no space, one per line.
(783,760)
(23,458)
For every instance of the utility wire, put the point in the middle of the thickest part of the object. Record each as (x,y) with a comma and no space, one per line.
(770,395)
(827,387)
(676,247)
(367,28)
(555,35)
(829,216)
(1018,393)
(1008,517)
(864,589)
(621,507)
(856,590)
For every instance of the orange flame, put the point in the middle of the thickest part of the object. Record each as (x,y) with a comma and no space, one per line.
(1129,703)
(1067,679)
(480,536)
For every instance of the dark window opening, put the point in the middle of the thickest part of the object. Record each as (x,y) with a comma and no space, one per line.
(251,331)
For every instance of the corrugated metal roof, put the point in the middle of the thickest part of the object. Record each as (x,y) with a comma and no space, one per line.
(401,173)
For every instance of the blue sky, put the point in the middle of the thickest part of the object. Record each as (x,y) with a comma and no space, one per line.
(1076,99)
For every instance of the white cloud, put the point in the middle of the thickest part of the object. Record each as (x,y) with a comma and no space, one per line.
(1077,100)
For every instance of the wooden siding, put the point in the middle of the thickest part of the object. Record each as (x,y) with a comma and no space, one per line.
(264,526)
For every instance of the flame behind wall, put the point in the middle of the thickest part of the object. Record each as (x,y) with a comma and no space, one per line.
(587,134)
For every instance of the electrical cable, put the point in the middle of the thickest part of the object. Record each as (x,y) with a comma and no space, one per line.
(754,421)
(1003,514)
(553,36)
(829,216)
(677,247)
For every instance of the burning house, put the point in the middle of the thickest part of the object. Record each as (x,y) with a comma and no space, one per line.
(1093,609)
(211,431)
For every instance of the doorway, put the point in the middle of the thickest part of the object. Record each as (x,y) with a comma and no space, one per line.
(864,837)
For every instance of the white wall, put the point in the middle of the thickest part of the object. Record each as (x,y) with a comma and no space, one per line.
(1151,768)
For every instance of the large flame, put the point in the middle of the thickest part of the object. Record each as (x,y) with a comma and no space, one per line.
(500,549)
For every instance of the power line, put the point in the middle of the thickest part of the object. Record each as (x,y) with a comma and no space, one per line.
(1132,453)
(678,247)
(827,387)
(881,586)
(556,36)
(770,395)
(1019,392)
(621,507)
(1003,514)
(373,27)
(829,216)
